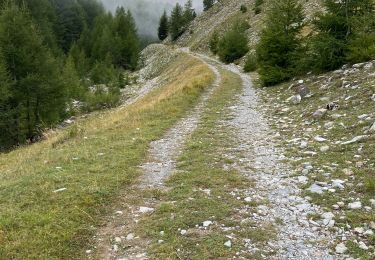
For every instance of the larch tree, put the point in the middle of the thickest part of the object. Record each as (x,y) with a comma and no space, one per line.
(38,94)
(163,27)
(345,32)
(207,4)
(176,27)
(279,47)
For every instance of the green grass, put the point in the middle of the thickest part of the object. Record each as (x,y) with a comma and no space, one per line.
(94,160)
(340,157)
(201,168)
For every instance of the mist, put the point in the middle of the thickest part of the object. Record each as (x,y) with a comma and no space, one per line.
(147,12)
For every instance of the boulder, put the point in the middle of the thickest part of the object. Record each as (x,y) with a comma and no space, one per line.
(355,139)
(318,114)
(355,205)
(341,248)
(314,188)
(296,99)
(302,90)
(372,128)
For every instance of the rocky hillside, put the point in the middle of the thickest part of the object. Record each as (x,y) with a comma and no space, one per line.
(327,123)
(223,14)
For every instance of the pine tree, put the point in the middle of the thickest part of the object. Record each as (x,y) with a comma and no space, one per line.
(189,13)
(126,45)
(176,27)
(233,45)
(5,107)
(38,95)
(163,27)
(71,78)
(258,6)
(346,22)
(214,42)
(279,47)
(207,4)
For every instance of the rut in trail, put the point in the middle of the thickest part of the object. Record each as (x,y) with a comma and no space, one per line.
(160,165)
(296,238)
(163,152)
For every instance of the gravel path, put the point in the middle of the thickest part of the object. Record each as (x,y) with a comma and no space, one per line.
(159,166)
(298,238)
(283,206)
(163,152)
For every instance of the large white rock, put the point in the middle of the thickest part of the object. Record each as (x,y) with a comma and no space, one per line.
(362,245)
(324,148)
(355,205)
(338,184)
(319,113)
(372,128)
(207,223)
(130,236)
(319,139)
(355,139)
(228,244)
(303,144)
(314,188)
(328,215)
(341,248)
(296,99)
(145,209)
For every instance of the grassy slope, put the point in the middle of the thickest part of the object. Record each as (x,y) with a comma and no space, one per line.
(201,168)
(94,160)
(295,121)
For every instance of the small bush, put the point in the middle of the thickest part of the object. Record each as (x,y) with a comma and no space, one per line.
(270,75)
(104,90)
(102,97)
(103,73)
(214,42)
(233,45)
(243,8)
(327,52)
(251,63)
(361,48)
(258,8)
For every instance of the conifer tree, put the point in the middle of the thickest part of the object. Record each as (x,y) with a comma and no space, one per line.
(163,27)
(5,107)
(189,13)
(176,22)
(207,4)
(126,44)
(279,47)
(233,44)
(346,22)
(38,95)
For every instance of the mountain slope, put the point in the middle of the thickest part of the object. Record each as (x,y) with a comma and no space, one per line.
(222,16)
(53,193)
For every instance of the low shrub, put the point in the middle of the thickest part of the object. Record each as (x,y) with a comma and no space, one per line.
(251,63)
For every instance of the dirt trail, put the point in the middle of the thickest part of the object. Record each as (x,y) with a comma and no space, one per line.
(283,206)
(160,165)
(163,152)
(297,237)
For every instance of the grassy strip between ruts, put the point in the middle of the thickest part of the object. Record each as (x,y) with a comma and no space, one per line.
(93,160)
(201,190)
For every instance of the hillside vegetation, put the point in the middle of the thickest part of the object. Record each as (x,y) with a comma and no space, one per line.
(53,193)
(224,14)
(332,151)
(58,59)
(248,134)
